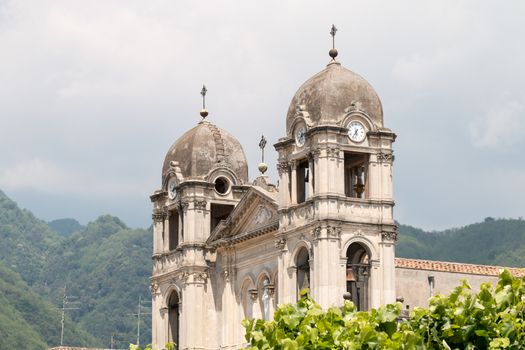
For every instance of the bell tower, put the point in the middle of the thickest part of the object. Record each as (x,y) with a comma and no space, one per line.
(336,231)
(204,176)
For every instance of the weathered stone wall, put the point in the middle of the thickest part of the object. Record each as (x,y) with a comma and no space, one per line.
(414,287)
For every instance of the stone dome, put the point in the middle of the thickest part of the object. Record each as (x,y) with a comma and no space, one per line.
(204,148)
(326,95)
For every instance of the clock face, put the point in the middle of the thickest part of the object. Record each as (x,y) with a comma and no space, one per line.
(300,136)
(172,189)
(356,131)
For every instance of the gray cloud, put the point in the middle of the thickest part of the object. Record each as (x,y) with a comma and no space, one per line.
(94,93)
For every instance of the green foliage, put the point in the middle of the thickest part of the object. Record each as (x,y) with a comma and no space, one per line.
(28,320)
(65,227)
(26,241)
(492,242)
(494,318)
(168,346)
(106,265)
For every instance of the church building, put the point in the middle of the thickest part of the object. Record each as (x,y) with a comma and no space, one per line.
(226,248)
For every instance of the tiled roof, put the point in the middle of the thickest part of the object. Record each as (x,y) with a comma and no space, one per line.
(446,266)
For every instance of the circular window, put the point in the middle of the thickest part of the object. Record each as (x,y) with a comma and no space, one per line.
(222,185)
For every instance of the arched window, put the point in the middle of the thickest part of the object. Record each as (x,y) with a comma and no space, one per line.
(265,292)
(357,275)
(173,318)
(246,298)
(302,265)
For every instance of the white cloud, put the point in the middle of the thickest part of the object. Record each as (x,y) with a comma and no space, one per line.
(501,127)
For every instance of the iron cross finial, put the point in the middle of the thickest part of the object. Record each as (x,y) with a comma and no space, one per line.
(204,112)
(333,51)
(262,145)
(332,33)
(203,93)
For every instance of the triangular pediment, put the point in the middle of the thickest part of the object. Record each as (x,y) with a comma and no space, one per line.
(255,214)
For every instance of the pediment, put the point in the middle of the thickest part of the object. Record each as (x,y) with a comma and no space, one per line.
(255,214)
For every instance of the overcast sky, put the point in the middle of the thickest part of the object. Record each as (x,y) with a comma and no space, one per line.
(93,93)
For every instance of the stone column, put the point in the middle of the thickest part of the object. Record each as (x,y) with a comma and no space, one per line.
(284,192)
(388,266)
(374,178)
(158,216)
(293,195)
(385,161)
(195,322)
(326,265)
(156,316)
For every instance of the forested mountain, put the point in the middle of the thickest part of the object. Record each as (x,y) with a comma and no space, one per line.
(65,227)
(492,242)
(28,321)
(107,265)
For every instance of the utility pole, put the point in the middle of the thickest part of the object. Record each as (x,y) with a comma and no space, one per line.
(66,301)
(139,314)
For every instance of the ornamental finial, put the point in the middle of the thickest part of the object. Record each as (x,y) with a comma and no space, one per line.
(333,50)
(262,166)
(204,111)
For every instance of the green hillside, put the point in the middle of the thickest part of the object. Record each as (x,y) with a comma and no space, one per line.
(105,265)
(65,227)
(25,240)
(27,321)
(492,242)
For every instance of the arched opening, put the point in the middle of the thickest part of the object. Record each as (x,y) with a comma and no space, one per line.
(173,318)
(246,298)
(265,297)
(302,264)
(358,275)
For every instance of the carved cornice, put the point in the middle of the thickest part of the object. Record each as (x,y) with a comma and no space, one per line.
(332,152)
(314,153)
(385,157)
(183,205)
(280,243)
(154,288)
(159,215)
(389,236)
(199,204)
(201,277)
(316,233)
(282,167)
(331,232)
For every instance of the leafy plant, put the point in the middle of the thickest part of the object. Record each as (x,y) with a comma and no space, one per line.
(168,346)
(493,318)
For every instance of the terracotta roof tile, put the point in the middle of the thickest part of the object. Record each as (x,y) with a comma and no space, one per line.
(446,266)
